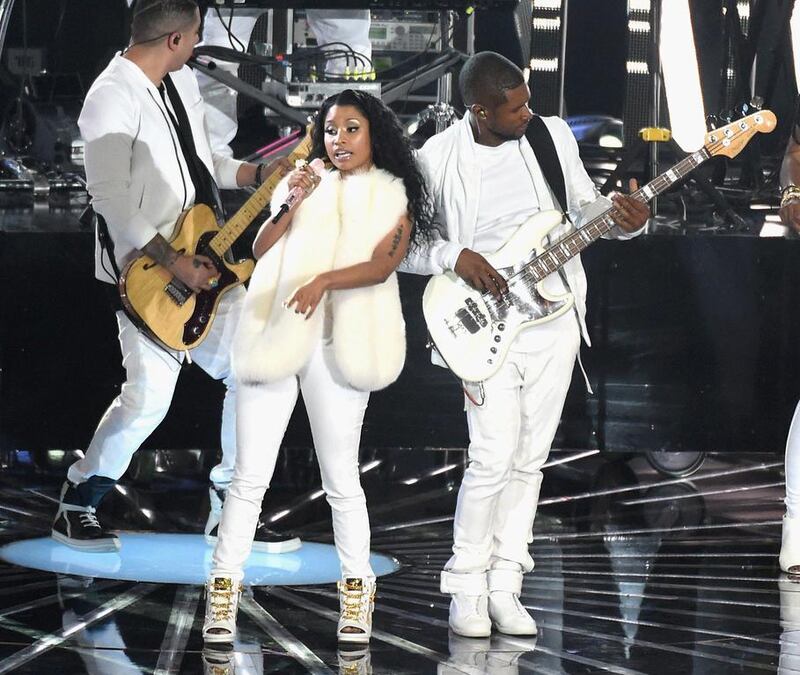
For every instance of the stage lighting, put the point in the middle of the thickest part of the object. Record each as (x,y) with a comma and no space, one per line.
(681,76)
(638,94)
(546,65)
(676,62)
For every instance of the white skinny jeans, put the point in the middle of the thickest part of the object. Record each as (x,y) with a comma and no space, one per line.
(510,437)
(143,402)
(336,413)
(793,466)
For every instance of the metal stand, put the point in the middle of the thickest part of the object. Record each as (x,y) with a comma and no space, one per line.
(439,69)
(5,17)
(210,68)
(562,58)
(655,93)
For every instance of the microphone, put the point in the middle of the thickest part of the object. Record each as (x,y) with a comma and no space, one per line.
(298,194)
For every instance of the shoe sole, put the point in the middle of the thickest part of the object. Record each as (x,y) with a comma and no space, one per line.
(262,547)
(218,638)
(471,634)
(517,633)
(353,638)
(97,546)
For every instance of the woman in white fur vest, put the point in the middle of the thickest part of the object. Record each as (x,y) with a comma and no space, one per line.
(322,316)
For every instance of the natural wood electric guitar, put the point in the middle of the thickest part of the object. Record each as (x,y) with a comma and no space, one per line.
(162,305)
(473,331)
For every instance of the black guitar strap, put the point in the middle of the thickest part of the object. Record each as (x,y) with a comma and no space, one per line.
(545,150)
(205,187)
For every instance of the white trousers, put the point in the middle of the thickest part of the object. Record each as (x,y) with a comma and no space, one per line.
(510,437)
(793,466)
(146,394)
(336,414)
(350,26)
(220,100)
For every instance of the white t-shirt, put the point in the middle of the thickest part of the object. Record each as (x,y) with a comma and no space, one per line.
(507,199)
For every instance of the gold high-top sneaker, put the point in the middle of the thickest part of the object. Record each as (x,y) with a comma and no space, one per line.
(356,603)
(222,603)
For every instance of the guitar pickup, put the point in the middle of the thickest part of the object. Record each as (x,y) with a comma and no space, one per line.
(467,321)
(179,294)
(476,312)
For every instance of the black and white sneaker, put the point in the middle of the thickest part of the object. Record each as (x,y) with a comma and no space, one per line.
(269,541)
(265,540)
(78,527)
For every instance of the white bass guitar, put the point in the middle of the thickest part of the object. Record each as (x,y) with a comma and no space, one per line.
(473,330)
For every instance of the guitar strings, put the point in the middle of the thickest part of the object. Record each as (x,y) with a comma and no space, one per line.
(605,221)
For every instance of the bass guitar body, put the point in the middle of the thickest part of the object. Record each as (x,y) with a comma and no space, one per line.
(471,329)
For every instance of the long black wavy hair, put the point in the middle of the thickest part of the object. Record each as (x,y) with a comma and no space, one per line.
(391,151)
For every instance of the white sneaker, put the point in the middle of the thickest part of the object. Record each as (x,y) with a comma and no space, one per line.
(356,604)
(466,655)
(789,558)
(469,614)
(506,611)
(222,603)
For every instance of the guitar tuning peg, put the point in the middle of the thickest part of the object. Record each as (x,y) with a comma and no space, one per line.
(757,102)
(712,122)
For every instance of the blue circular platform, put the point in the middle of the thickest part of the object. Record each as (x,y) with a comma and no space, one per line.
(183,559)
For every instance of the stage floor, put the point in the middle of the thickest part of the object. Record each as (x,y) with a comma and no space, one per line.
(635,572)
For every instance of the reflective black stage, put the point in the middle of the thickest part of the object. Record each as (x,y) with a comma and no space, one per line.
(635,572)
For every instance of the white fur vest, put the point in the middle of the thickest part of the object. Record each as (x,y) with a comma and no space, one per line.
(338,225)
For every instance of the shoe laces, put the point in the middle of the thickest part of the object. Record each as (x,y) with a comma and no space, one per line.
(520,607)
(222,594)
(470,602)
(355,602)
(88,519)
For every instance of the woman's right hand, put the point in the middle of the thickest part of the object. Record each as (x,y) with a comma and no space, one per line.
(304,178)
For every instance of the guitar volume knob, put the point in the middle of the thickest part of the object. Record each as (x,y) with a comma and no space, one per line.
(497,338)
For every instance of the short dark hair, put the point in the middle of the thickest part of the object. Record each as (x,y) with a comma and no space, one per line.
(154,18)
(486,77)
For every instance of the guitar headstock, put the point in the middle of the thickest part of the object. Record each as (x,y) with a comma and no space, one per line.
(303,149)
(730,139)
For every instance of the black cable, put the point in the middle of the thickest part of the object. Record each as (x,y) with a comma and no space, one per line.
(229,31)
(60,24)
(416,74)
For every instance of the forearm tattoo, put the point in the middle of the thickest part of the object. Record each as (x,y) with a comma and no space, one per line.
(398,235)
(159,250)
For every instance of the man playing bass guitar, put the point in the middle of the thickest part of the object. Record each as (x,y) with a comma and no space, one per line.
(486,181)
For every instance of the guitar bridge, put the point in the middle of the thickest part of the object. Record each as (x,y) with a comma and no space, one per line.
(177,292)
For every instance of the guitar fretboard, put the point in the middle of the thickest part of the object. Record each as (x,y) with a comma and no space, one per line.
(257,202)
(558,254)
